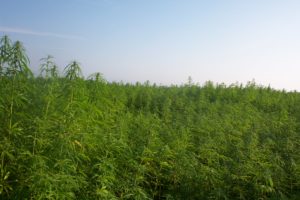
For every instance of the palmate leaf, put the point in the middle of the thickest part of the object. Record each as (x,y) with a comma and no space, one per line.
(73,71)
(18,62)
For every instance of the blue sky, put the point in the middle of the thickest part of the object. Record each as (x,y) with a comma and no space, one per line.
(163,41)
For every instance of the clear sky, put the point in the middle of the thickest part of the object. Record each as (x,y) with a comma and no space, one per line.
(163,41)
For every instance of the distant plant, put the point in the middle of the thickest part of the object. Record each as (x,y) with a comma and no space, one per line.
(73,71)
(48,68)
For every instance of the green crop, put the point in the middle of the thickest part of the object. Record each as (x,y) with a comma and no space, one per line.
(66,137)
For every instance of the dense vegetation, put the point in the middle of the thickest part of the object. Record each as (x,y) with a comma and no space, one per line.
(66,137)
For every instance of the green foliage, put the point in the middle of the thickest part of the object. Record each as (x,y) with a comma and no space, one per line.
(74,138)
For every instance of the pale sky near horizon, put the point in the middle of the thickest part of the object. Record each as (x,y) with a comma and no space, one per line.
(163,41)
